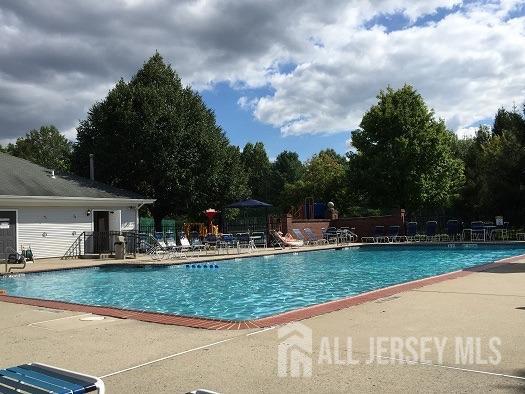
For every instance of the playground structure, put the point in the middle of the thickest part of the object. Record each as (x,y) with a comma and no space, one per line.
(199,228)
(309,210)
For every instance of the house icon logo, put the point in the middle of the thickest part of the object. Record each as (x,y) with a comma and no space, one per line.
(294,358)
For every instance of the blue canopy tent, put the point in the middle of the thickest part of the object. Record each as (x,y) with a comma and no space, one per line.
(251,204)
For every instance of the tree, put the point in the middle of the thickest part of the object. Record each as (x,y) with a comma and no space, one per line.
(258,169)
(153,136)
(46,147)
(323,178)
(494,165)
(510,121)
(403,156)
(287,168)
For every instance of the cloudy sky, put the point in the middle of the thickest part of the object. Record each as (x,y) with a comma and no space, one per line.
(295,74)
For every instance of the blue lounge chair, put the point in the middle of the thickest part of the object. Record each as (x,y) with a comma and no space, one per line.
(393,234)
(477,231)
(41,378)
(378,235)
(431,231)
(452,230)
(411,232)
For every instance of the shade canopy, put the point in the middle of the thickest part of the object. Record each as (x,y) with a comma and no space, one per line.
(249,204)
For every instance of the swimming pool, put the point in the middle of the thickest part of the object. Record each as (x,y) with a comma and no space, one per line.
(250,288)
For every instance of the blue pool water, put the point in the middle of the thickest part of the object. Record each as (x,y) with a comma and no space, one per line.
(250,288)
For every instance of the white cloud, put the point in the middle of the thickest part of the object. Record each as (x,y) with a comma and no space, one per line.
(58,59)
(467,132)
(466,66)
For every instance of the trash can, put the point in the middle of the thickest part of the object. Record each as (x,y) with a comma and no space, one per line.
(120,247)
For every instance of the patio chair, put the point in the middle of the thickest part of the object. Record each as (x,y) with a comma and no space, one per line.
(227,242)
(393,234)
(312,238)
(431,231)
(245,241)
(259,239)
(42,378)
(411,232)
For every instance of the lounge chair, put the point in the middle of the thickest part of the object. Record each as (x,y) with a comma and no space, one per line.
(411,232)
(170,240)
(452,231)
(431,231)
(347,235)
(42,378)
(299,235)
(211,241)
(330,234)
(186,245)
(378,236)
(393,234)
(312,238)
(478,232)
(161,250)
(287,240)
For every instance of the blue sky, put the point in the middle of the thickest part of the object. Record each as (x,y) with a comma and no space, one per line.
(291,74)
(241,127)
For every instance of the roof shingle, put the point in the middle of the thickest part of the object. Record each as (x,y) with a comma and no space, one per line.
(19,177)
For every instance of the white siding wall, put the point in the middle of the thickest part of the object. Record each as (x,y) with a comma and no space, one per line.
(52,230)
(128,219)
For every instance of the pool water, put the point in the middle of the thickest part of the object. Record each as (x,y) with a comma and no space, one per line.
(250,288)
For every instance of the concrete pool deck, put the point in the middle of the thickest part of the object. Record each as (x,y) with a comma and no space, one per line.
(134,356)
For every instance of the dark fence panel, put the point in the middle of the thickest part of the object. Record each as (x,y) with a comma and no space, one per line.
(149,229)
(103,242)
